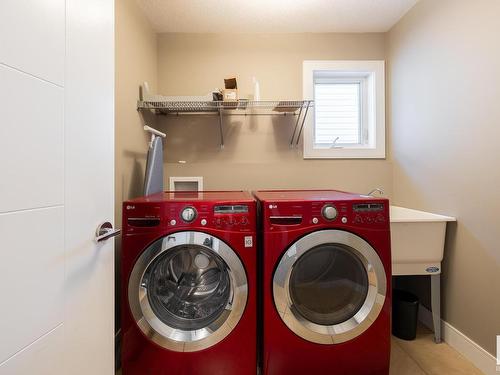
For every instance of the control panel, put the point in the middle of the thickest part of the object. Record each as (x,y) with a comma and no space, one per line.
(368,207)
(282,215)
(173,215)
(231,209)
(230,216)
(369,213)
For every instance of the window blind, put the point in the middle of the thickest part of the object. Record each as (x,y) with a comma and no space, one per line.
(337,109)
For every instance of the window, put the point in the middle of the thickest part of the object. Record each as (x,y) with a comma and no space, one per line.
(337,112)
(348,119)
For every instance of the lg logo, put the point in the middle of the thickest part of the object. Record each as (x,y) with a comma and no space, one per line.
(271,206)
(129,207)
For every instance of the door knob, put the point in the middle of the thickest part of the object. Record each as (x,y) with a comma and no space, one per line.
(104,231)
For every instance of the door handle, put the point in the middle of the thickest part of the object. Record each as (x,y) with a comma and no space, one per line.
(104,231)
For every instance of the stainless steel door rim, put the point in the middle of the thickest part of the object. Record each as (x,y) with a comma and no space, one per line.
(362,319)
(175,338)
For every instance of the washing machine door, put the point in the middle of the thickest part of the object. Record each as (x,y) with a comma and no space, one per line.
(329,286)
(187,291)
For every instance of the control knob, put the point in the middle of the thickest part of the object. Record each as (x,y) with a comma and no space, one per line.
(188,214)
(329,212)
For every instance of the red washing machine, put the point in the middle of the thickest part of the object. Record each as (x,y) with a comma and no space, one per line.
(189,268)
(326,283)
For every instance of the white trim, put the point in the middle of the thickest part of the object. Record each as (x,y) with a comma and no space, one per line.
(477,355)
(375,73)
(173,180)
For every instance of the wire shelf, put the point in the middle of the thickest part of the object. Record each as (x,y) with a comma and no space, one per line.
(163,106)
(200,106)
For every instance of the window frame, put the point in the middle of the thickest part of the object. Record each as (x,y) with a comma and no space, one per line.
(371,74)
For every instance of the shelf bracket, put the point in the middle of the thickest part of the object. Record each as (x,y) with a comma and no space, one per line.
(296,124)
(302,125)
(221,133)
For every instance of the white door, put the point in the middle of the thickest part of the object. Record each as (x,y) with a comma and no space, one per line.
(56,186)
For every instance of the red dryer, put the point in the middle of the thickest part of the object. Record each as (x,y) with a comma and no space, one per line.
(189,284)
(326,283)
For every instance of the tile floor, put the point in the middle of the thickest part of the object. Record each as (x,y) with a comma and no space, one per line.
(423,357)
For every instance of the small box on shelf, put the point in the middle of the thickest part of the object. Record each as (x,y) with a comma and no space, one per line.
(230,91)
(230,95)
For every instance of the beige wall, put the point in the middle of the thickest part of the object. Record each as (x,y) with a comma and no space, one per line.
(136,61)
(444,61)
(257,153)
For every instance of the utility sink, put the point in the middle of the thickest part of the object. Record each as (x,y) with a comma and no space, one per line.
(417,245)
(417,241)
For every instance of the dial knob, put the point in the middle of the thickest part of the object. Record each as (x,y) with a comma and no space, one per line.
(188,214)
(329,212)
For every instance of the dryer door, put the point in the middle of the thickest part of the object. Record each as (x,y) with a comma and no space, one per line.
(329,286)
(187,291)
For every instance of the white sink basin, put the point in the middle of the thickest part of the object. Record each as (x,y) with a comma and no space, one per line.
(417,241)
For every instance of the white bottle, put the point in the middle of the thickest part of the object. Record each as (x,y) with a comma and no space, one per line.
(256,89)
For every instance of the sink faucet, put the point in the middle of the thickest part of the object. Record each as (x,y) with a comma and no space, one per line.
(376,190)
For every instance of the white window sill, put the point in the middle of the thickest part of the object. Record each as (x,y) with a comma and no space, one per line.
(344,153)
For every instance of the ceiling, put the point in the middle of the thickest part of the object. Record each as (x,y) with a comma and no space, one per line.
(274,16)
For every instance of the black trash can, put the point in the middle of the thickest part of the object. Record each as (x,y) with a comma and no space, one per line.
(404,314)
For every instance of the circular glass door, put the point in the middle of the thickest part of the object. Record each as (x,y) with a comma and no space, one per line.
(187,287)
(187,291)
(329,286)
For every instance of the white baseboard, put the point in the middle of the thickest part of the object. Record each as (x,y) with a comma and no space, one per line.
(479,357)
